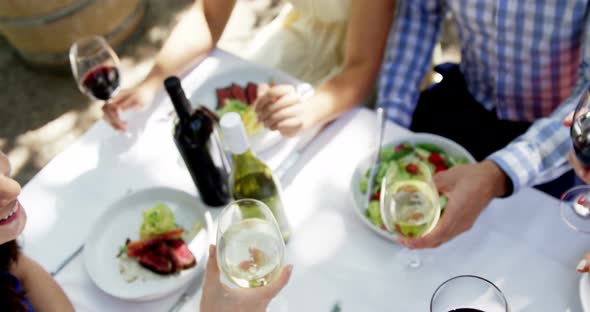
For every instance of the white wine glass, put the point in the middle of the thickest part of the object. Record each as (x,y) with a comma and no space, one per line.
(250,247)
(410,205)
(468,293)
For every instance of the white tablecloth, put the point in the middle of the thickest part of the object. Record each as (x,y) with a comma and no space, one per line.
(520,243)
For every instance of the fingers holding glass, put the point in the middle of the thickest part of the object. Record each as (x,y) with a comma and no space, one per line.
(250,247)
(409,206)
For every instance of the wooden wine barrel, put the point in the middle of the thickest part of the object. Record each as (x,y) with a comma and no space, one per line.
(42,31)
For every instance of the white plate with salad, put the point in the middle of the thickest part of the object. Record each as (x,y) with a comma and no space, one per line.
(437,152)
(236,90)
(585,292)
(148,244)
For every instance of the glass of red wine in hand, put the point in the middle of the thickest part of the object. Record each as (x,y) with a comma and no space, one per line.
(575,203)
(95,67)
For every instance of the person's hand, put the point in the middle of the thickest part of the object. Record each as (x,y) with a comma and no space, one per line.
(129,99)
(469,188)
(280,108)
(5,167)
(579,169)
(218,297)
(569,120)
(584,265)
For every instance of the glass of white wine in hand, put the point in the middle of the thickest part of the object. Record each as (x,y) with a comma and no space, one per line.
(250,248)
(410,205)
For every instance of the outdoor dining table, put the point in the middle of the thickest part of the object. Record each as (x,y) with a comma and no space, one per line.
(520,243)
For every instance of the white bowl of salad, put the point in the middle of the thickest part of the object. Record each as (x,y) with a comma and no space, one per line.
(437,152)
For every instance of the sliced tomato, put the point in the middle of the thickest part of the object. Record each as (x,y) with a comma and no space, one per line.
(376,196)
(436,159)
(412,169)
(440,168)
(401,147)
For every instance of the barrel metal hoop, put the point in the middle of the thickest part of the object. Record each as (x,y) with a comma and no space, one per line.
(48,18)
(57,57)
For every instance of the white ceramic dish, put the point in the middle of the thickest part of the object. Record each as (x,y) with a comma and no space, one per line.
(122,220)
(358,197)
(585,292)
(205,95)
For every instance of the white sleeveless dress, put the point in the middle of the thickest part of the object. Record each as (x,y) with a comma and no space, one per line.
(306,40)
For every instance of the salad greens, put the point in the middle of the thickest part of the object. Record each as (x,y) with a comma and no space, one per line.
(420,161)
(246,112)
(156,221)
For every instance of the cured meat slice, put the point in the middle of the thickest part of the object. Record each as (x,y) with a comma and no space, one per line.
(156,263)
(181,256)
(251,92)
(238,93)
(222,95)
(137,247)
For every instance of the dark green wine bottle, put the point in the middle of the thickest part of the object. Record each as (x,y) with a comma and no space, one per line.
(198,142)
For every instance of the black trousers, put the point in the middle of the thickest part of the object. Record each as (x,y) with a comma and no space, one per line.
(448,109)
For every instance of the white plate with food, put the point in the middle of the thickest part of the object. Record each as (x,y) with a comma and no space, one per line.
(438,152)
(148,244)
(235,90)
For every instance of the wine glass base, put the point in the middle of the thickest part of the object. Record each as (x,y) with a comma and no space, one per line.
(411,258)
(414,263)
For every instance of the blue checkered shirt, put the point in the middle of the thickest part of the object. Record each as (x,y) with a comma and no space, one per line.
(520,57)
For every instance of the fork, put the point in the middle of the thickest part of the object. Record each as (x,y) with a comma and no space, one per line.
(377,158)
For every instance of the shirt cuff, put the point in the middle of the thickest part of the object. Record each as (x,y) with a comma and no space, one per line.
(517,161)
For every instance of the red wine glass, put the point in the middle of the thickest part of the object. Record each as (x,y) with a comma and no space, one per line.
(580,130)
(95,67)
(468,293)
(575,203)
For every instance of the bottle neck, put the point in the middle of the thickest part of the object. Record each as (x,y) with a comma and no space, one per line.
(246,154)
(240,146)
(182,107)
(178,98)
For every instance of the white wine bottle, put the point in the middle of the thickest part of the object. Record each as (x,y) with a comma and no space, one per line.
(250,177)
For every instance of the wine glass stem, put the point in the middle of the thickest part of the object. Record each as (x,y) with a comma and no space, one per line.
(414,260)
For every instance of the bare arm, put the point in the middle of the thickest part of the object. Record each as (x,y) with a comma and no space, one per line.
(368,27)
(197,32)
(40,288)
(279,107)
(195,35)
